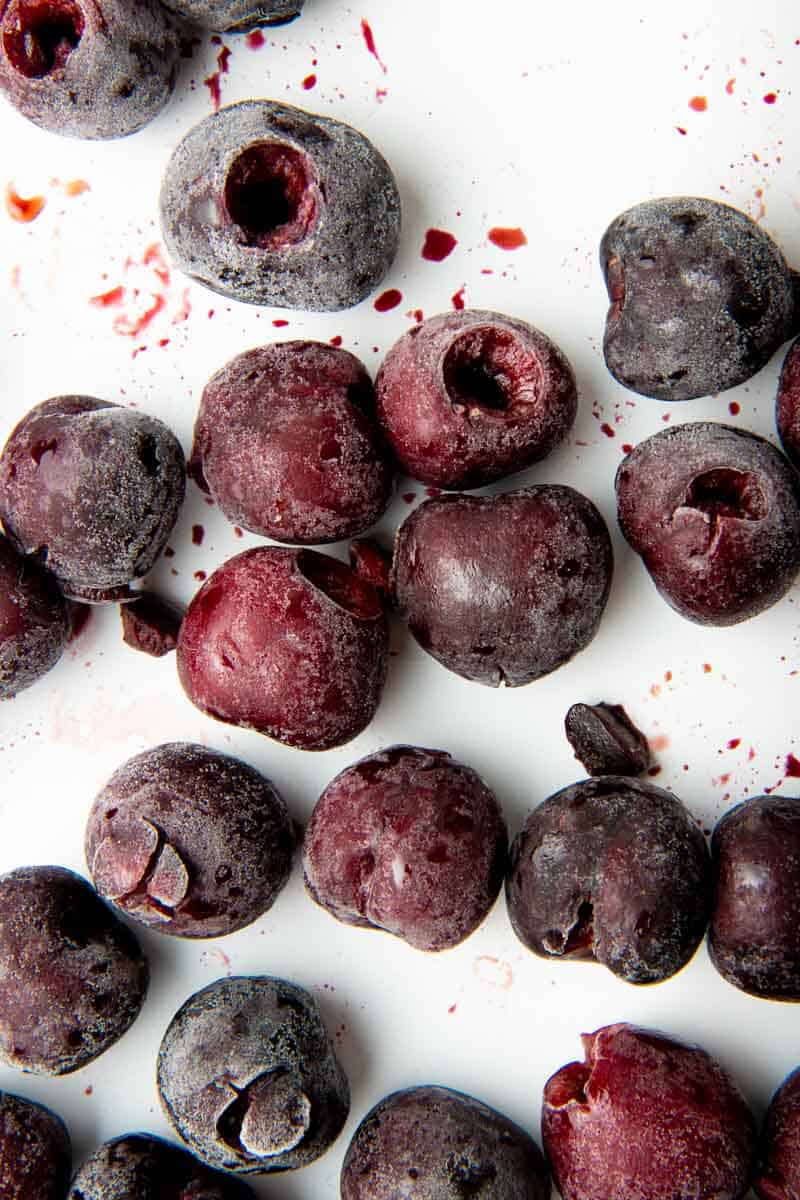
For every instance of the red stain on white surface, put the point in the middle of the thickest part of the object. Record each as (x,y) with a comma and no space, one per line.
(494,971)
(369,41)
(698,104)
(457,299)
(388,300)
(507,237)
(21,208)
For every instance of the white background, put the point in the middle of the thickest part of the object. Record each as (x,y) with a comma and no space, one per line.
(552,118)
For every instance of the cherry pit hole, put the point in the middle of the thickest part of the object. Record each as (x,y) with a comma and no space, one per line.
(726,493)
(340,584)
(40,35)
(485,368)
(270,195)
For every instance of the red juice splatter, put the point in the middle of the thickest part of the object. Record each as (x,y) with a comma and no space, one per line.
(21,209)
(369,40)
(198,533)
(607,430)
(667,676)
(279,322)
(409,497)
(199,576)
(185,309)
(418,315)
(734,409)
(452,1008)
(255,39)
(237,531)
(770,97)
(108,299)
(129,328)
(169,552)
(652,771)
(433,492)
(792,767)
(336,340)
(457,299)
(381,94)
(154,258)
(626,447)
(698,104)
(729,86)
(387,300)
(681,130)
(212,83)
(507,238)
(734,742)
(163,342)
(223,59)
(309,82)
(706,668)
(437,245)
(76,187)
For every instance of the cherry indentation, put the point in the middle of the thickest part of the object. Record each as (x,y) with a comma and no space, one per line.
(270,194)
(40,35)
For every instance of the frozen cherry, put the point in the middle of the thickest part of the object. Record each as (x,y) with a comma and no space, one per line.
(273,205)
(605,740)
(469,397)
(714,513)
(754,936)
(646,1118)
(72,976)
(93,490)
(288,642)
(140,1166)
(410,841)
(235,16)
(432,1143)
(787,409)
(248,1076)
(778,1176)
(504,589)
(150,624)
(34,621)
(701,297)
(615,871)
(287,443)
(87,68)
(35,1154)
(189,841)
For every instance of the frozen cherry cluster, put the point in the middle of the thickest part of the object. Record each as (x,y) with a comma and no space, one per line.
(293,441)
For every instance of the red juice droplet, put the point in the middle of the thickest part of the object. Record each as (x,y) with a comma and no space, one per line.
(733,743)
(21,209)
(792,767)
(279,322)
(733,408)
(76,187)
(729,86)
(336,340)
(198,533)
(607,430)
(507,238)
(438,244)
(388,299)
(212,83)
(457,299)
(108,299)
(255,39)
(770,97)
(626,447)
(309,82)
(698,104)
(369,40)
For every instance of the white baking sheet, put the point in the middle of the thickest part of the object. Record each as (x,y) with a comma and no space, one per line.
(550,118)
